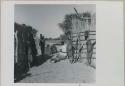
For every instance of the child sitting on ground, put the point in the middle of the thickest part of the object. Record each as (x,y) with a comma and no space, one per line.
(58,57)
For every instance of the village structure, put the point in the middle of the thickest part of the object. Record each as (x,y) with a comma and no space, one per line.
(76,47)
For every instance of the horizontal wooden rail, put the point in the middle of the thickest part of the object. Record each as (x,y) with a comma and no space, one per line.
(86,58)
(83,32)
(85,48)
(82,40)
(84,52)
(83,35)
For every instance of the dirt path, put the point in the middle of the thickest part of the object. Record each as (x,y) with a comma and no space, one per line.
(61,72)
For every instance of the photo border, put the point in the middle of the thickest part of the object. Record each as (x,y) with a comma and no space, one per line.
(75,3)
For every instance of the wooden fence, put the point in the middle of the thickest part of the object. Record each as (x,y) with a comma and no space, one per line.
(78,36)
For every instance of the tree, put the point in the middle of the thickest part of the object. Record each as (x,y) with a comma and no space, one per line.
(34,32)
(63,37)
(66,25)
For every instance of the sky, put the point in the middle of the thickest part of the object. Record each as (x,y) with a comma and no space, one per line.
(45,18)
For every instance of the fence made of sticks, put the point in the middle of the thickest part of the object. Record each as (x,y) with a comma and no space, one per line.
(82,43)
(78,33)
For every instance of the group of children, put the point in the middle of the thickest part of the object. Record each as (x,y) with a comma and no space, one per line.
(71,49)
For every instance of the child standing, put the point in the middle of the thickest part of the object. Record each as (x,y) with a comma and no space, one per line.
(89,46)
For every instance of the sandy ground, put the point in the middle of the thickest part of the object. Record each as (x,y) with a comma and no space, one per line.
(61,72)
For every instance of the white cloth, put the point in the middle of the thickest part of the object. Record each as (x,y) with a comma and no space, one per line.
(63,47)
(62,53)
(16,50)
(63,50)
(37,40)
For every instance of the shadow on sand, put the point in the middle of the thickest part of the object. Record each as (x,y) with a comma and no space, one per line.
(40,60)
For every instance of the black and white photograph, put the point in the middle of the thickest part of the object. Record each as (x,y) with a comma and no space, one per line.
(62,43)
(55,43)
